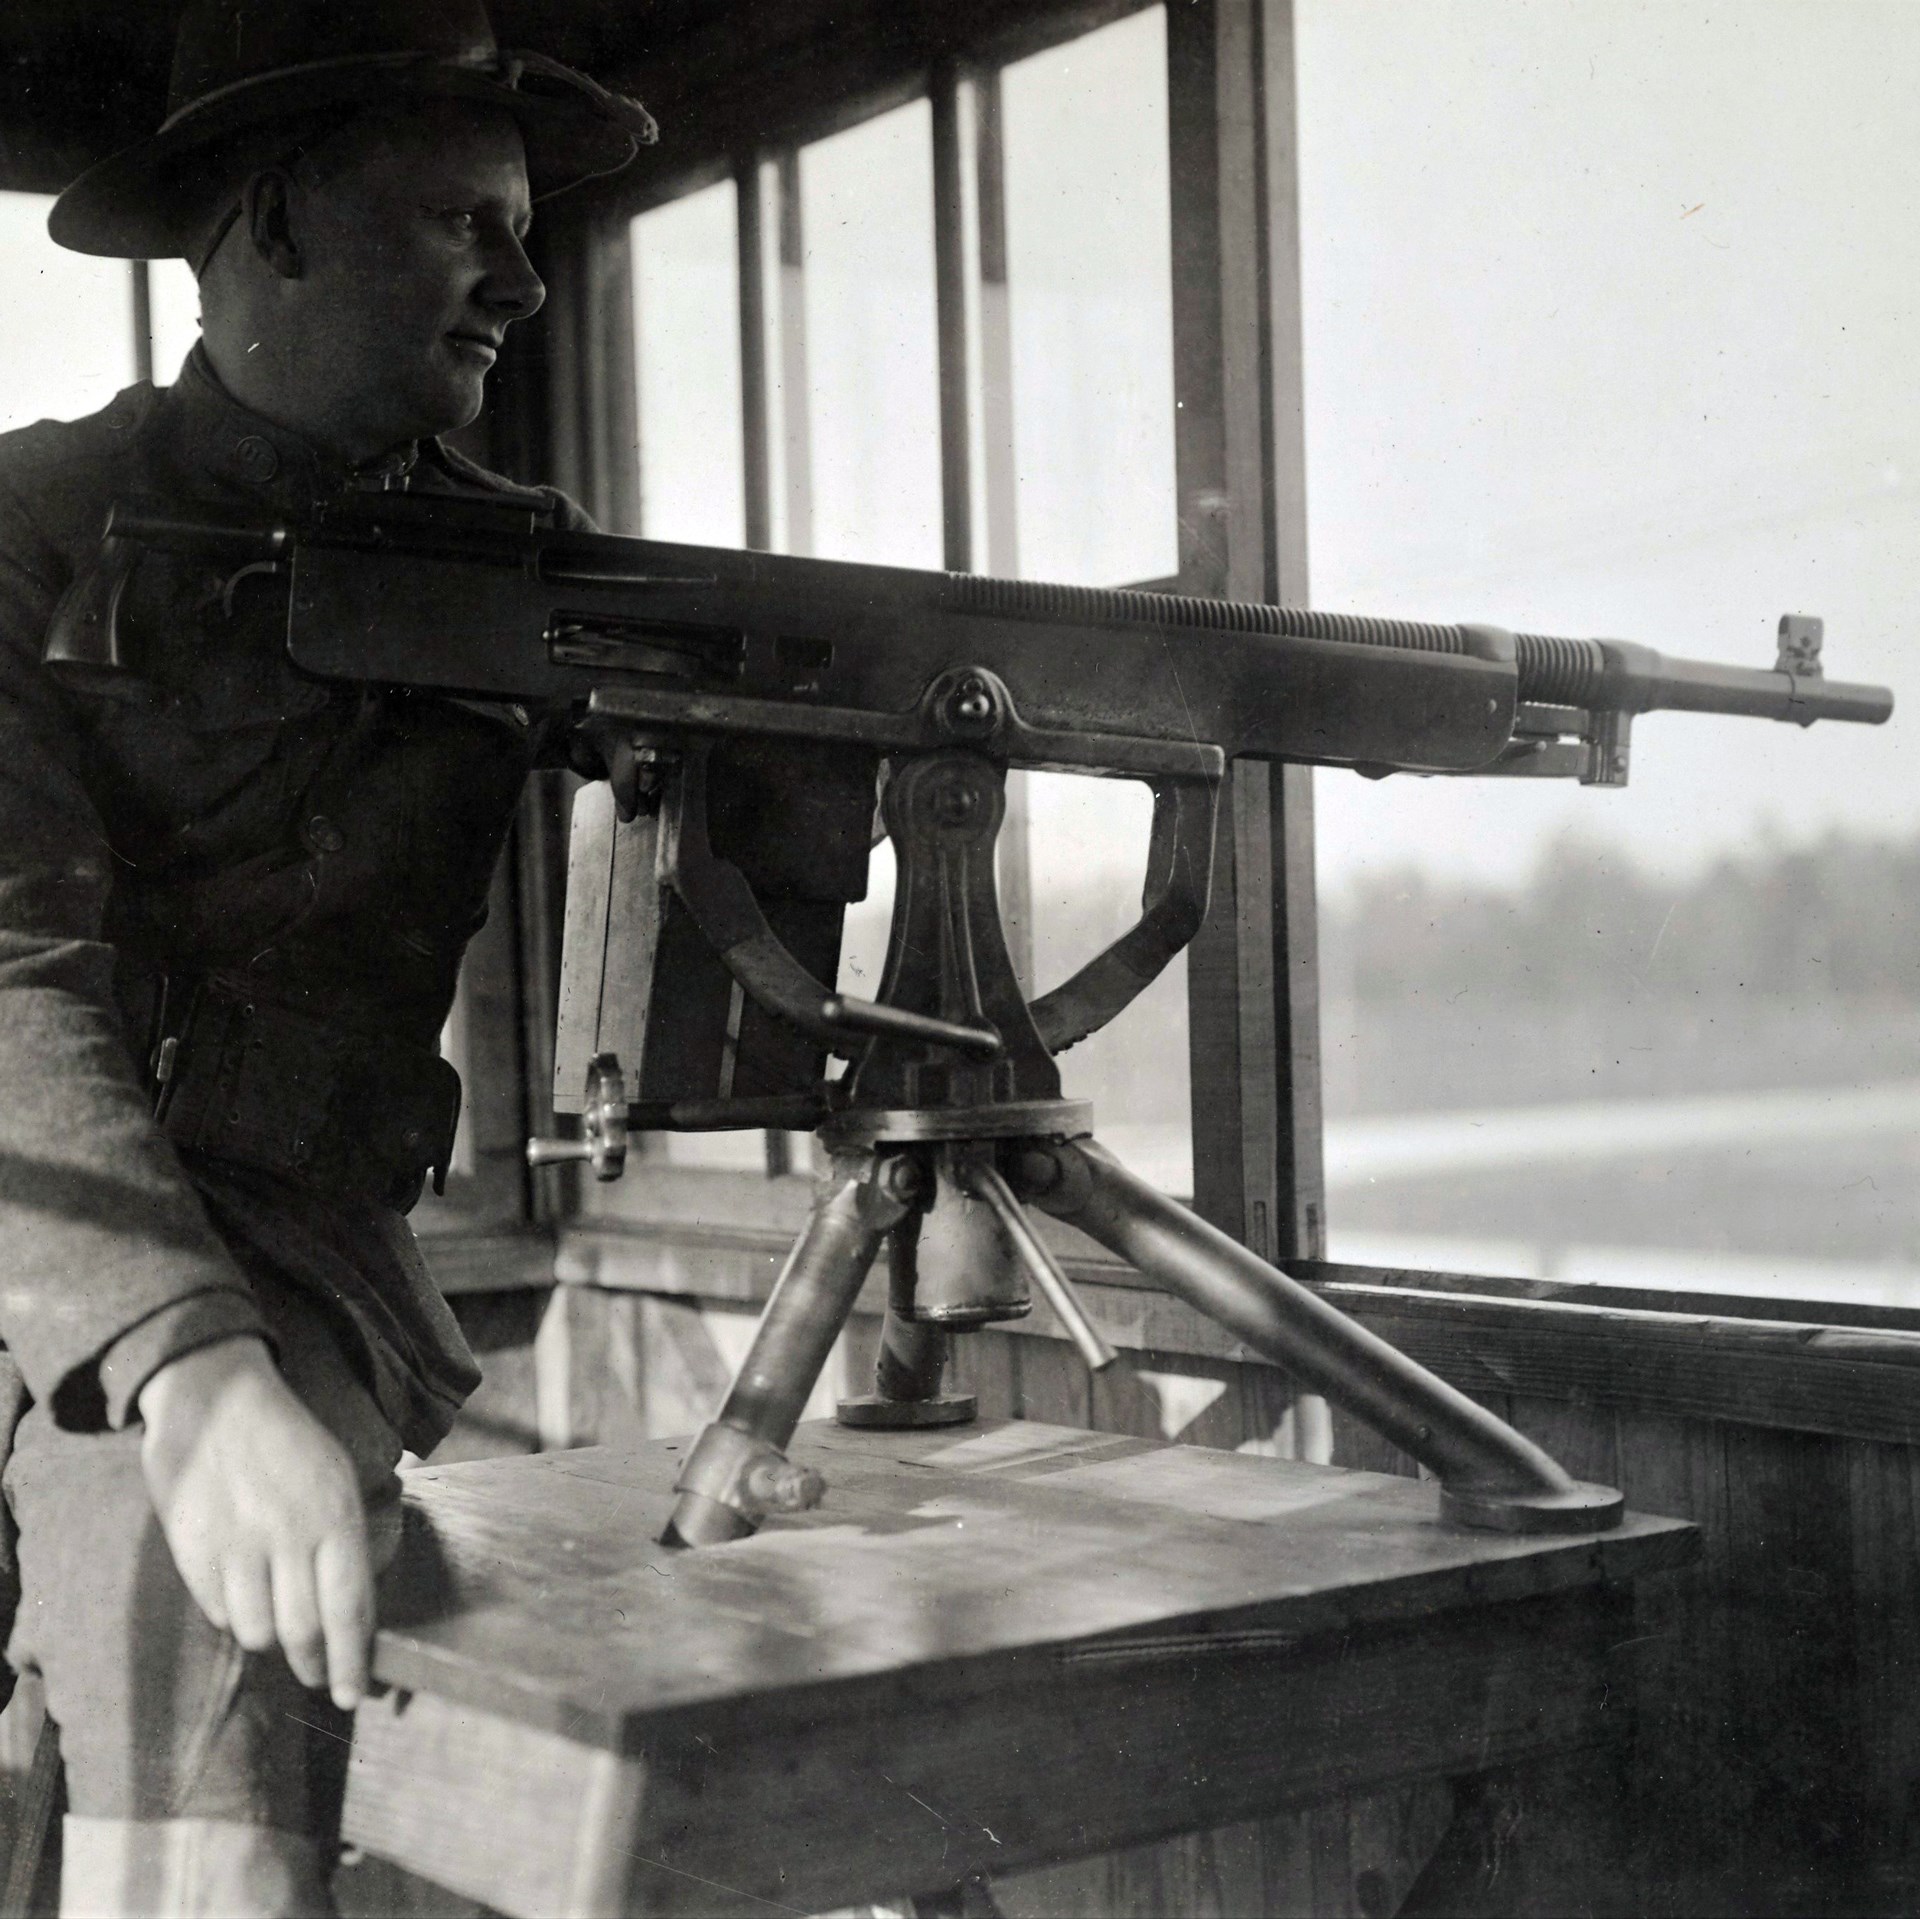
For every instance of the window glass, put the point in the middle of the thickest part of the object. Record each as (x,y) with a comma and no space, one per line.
(873,389)
(1089,852)
(686,314)
(1089,297)
(686,307)
(66,323)
(175,299)
(1608,331)
(851,301)
(1089,277)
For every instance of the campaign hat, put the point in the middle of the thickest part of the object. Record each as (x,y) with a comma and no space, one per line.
(252,78)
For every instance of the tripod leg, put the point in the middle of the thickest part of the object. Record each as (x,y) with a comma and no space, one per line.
(1489,1474)
(736,1473)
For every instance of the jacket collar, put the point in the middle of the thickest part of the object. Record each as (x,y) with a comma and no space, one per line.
(218,440)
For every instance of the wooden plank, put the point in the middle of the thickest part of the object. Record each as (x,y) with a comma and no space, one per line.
(609,394)
(425,1788)
(1391,1837)
(737,1806)
(1884,1502)
(750,202)
(488,1259)
(1357,1446)
(536,1586)
(1238,1048)
(1581,1438)
(487,1184)
(796,388)
(553,1372)
(1682,1642)
(1277,1866)
(670,1200)
(958,354)
(537,851)
(662,1203)
(1780,1375)
(1795,1718)
(1846,1381)
(1541,1838)
(1054,1384)
(723,80)
(1644,1299)
(987,1364)
(1252,972)
(1263,1398)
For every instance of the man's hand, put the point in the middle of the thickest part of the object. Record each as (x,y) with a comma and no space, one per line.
(259,1505)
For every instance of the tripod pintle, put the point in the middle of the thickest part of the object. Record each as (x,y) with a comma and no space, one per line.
(947,956)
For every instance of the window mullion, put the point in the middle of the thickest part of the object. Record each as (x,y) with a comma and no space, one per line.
(140,279)
(795,435)
(755,351)
(957,356)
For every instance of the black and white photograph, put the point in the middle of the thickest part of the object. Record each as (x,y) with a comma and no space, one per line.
(959,959)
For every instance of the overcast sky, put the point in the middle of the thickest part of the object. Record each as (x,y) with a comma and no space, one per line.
(1611,325)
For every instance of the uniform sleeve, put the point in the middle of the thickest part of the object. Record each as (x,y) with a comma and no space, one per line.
(108,1265)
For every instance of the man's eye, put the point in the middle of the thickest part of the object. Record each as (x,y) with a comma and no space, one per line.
(462,223)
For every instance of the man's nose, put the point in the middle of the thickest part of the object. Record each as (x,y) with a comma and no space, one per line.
(512,288)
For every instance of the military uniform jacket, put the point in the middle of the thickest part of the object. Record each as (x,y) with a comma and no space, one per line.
(324,849)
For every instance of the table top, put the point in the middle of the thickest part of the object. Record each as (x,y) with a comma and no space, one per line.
(535,1588)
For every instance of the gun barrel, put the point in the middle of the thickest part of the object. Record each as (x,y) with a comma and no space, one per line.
(1621,676)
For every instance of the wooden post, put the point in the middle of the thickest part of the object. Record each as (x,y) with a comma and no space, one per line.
(1253,1000)
(976,397)
(958,355)
(140,284)
(795,397)
(755,397)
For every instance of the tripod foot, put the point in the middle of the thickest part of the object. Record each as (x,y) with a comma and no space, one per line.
(1581,1508)
(877,1413)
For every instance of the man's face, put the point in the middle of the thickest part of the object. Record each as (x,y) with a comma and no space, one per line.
(410,233)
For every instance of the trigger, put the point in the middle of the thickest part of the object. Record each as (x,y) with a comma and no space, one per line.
(267,568)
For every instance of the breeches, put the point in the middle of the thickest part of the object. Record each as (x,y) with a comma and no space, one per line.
(162,1717)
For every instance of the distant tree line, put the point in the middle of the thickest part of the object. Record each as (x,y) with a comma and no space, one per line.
(1840,918)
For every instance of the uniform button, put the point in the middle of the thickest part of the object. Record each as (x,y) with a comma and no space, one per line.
(257,460)
(322,836)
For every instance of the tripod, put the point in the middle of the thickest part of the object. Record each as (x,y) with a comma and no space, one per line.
(952,1123)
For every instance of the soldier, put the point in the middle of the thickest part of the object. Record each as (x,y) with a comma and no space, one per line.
(233,904)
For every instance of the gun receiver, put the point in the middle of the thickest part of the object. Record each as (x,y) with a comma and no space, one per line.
(741,704)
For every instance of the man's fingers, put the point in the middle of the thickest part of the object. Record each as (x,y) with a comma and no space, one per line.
(296,1617)
(344,1576)
(249,1601)
(209,1591)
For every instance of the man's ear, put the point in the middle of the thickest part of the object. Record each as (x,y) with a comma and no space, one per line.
(270,207)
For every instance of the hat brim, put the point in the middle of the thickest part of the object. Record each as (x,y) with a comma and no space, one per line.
(151,200)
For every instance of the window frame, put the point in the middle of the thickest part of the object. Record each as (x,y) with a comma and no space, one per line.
(1239,452)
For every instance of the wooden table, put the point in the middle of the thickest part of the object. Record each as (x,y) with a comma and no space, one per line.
(993,1647)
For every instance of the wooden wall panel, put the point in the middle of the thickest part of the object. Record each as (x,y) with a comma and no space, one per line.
(1794,1728)
(1884,1503)
(1581,1438)
(1353,1860)
(987,1364)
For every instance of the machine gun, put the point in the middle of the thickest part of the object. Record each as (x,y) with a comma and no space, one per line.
(741,705)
